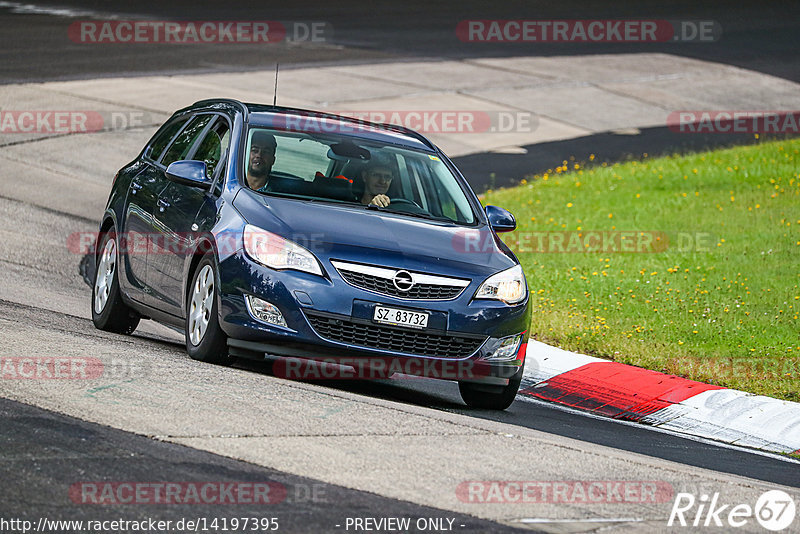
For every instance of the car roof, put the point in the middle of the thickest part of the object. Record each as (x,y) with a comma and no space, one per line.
(319,122)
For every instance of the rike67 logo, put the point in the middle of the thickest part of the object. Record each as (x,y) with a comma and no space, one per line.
(774,510)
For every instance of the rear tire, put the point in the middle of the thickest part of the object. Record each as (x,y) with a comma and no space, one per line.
(205,340)
(489,397)
(109,312)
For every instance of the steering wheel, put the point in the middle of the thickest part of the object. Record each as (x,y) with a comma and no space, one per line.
(405,201)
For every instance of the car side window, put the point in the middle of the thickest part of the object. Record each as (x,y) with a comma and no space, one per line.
(213,146)
(180,148)
(160,140)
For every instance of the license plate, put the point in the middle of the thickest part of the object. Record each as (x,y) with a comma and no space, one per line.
(397,317)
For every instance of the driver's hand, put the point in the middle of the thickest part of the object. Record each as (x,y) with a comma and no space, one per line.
(380,200)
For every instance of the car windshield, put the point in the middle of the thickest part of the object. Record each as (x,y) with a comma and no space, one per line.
(356,172)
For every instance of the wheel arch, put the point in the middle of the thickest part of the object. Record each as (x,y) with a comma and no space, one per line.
(204,247)
(109,221)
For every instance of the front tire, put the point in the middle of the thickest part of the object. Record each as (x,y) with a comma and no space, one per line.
(205,340)
(109,312)
(489,397)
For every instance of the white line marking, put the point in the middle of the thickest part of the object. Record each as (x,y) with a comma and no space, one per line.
(598,520)
(19,8)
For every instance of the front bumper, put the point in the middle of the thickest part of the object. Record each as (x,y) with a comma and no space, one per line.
(328,319)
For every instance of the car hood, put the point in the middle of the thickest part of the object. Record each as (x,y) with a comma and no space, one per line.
(331,231)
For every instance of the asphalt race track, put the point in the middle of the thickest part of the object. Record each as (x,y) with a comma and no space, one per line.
(759,36)
(340,450)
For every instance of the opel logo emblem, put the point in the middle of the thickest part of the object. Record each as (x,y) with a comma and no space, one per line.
(403,280)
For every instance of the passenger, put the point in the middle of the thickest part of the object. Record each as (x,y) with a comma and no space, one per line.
(262,158)
(377,177)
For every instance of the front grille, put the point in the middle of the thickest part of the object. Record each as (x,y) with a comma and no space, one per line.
(394,339)
(386,287)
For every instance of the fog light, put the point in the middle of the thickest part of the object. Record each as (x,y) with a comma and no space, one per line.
(503,349)
(264,311)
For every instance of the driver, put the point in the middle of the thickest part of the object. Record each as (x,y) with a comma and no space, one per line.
(262,158)
(377,178)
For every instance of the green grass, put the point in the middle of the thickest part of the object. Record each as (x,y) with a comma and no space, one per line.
(723,309)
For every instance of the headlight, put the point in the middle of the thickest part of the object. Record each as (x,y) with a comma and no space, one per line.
(508,286)
(278,253)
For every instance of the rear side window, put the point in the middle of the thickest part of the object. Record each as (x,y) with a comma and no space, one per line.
(159,142)
(213,146)
(180,148)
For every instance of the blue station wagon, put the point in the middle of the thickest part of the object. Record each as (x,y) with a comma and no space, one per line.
(292,235)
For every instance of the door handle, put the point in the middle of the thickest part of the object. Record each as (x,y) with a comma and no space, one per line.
(162,204)
(135,187)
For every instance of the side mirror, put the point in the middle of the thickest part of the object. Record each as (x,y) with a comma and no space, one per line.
(500,220)
(191,173)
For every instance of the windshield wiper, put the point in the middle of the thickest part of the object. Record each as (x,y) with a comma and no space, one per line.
(306,198)
(410,213)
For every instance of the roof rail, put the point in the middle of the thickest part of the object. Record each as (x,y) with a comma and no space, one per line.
(233,101)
